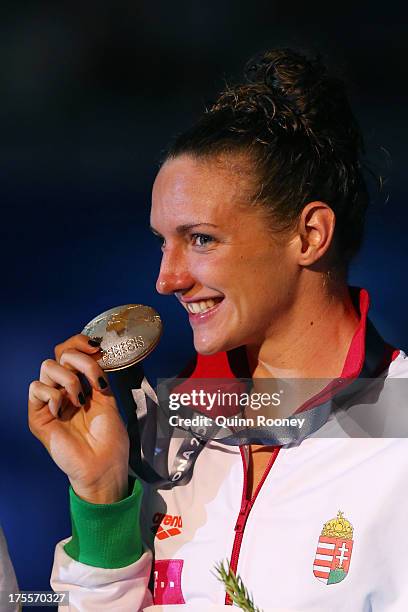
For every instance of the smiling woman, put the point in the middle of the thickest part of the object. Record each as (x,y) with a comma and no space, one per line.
(232,264)
(259,208)
(275,168)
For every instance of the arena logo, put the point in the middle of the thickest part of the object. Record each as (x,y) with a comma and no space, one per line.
(166,525)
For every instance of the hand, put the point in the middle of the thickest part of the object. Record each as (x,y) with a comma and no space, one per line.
(85,436)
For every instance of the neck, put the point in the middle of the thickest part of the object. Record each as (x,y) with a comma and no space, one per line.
(311,342)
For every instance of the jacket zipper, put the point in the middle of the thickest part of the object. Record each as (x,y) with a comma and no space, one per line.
(246,505)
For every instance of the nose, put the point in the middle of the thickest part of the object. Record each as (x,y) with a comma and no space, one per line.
(174,275)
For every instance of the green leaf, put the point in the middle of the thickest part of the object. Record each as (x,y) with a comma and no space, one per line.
(235,588)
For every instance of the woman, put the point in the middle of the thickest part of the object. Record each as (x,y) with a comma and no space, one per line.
(260,207)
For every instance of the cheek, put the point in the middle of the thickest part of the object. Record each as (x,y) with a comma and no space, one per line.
(213,271)
(256,272)
(263,280)
(254,275)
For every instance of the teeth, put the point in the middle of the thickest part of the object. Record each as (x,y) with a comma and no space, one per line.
(203,306)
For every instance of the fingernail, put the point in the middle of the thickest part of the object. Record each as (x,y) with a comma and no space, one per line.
(94,343)
(81,398)
(102,382)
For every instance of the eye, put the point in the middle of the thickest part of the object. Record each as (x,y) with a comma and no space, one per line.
(160,240)
(201,240)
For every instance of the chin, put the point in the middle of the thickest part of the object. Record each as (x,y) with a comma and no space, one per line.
(205,346)
(207,350)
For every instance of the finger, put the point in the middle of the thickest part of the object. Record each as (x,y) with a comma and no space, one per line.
(54,374)
(39,395)
(80,342)
(87,366)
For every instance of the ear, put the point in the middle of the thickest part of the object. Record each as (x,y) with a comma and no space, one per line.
(315,231)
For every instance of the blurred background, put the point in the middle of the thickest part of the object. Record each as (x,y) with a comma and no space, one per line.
(91,93)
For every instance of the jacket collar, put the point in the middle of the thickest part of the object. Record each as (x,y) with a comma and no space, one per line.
(234,364)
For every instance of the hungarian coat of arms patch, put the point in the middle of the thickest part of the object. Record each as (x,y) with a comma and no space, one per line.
(333,554)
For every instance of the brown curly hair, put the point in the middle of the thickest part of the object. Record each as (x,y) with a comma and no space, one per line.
(295,122)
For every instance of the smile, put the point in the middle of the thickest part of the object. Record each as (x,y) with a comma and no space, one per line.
(201,306)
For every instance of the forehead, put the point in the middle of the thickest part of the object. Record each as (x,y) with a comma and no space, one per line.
(214,187)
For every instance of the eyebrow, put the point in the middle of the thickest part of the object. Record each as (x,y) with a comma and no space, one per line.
(181,229)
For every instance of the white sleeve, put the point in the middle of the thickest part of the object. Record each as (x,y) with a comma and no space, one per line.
(92,589)
(104,566)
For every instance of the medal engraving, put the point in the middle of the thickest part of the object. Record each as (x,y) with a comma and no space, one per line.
(127,334)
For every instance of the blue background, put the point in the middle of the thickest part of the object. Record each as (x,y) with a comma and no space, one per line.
(91,96)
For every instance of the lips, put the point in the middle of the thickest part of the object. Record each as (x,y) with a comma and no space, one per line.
(199,310)
(201,306)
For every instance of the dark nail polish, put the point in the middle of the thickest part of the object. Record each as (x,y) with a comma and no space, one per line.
(81,398)
(94,343)
(102,383)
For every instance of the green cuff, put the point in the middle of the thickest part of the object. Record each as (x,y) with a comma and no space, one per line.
(106,535)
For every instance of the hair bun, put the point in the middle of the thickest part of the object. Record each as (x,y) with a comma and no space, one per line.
(291,76)
(307,99)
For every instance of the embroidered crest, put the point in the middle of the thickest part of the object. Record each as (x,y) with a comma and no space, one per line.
(333,554)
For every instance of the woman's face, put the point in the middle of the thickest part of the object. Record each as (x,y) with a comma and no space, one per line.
(220,259)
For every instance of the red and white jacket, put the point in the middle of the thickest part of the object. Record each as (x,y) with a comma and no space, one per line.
(325,530)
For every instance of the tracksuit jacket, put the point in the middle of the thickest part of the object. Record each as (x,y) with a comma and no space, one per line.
(326,529)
